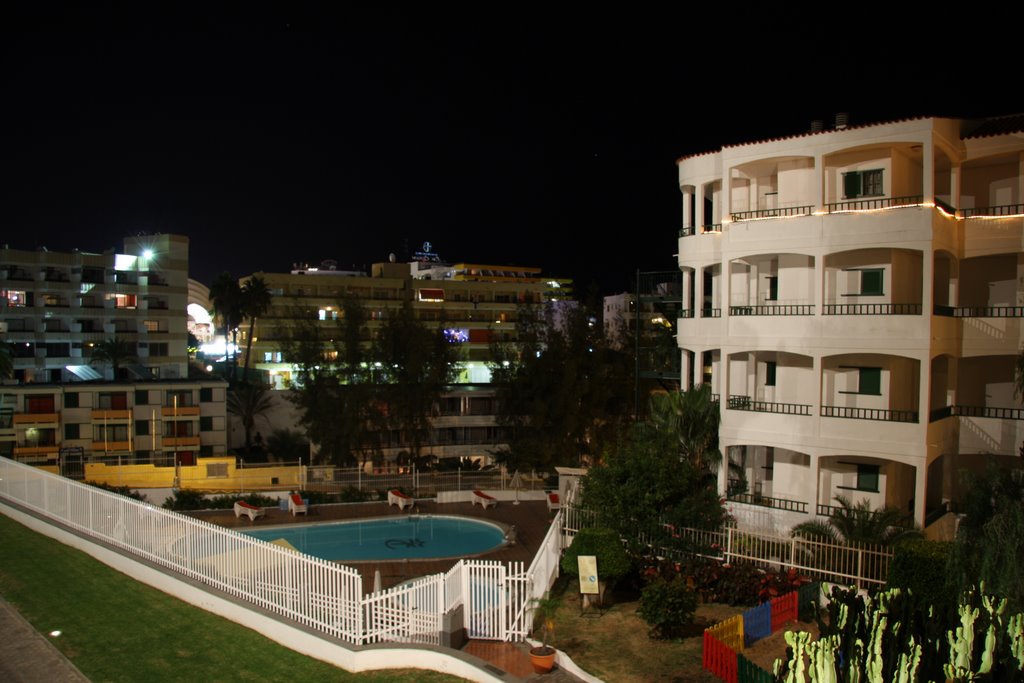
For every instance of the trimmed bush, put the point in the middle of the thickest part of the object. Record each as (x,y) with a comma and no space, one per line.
(612,561)
(667,605)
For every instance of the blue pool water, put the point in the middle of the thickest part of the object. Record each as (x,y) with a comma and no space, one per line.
(408,537)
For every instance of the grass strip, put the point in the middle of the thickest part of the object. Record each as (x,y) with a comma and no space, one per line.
(117,629)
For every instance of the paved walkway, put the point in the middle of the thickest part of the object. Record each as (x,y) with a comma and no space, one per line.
(26,656)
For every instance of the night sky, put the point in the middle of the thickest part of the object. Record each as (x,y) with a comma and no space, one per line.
(271,136)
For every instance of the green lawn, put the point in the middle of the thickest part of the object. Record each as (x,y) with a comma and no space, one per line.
(116,629)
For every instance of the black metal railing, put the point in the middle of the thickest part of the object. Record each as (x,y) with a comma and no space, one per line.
(940,413)
(770,502)
(988,411)
(786,212)
(878,414)
(784,309)
(979,311)
(945,206)
(711,313)
(993,211)
(710,227)
(745,403)
(686,231)
(716,398)
(686,313)
(871,309)
(877,203)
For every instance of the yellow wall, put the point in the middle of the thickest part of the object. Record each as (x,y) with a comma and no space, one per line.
(198,476)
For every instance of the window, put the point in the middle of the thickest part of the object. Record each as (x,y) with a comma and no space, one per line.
(153,326)
(141,397)
(141,428)
(113,401)
(206,395)
(773,288)
(206,451)
(867,478)
(769,374)
(71,431)
(110,433)
(158,349)
(205,424)
(216,470)
(871,281)
(15,297)
(869,381)
(863,184)
(71,399)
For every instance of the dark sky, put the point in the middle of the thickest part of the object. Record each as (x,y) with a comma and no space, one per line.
(277,135)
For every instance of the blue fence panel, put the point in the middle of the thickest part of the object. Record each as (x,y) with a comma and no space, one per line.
(757,623)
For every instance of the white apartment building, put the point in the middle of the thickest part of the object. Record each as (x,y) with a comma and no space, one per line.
(56,306)
(855,296)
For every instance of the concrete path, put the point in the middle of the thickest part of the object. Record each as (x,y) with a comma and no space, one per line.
(26,656)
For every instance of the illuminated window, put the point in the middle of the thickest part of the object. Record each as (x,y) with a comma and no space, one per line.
(123,300)
(863,184)
(15,297)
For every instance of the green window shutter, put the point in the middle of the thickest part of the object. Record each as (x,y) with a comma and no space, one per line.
(867,477)
(851,184)
(870,381)
(871,281)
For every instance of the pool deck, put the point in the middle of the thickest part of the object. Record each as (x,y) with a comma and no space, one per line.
(531,519)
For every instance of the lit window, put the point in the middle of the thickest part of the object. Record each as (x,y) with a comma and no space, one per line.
(863,184)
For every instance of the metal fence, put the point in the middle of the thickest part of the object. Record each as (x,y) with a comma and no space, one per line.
(322,595)
(419,482)
(862,565)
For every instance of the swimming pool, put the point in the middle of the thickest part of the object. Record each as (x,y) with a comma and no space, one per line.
(409,537)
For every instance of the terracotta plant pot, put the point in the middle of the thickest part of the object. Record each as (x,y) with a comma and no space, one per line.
(543,659)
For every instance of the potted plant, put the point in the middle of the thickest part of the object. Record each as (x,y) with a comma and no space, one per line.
(543,656)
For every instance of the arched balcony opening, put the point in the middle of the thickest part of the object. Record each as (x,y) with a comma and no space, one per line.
(870,386)
(990,287)
(991,187)
(942,180)
(945,282)
(773,188)
(769,476)
(991,420)
(772,284)
(771,382)
(873,282)
(874,177)
(883,483)
(702,208)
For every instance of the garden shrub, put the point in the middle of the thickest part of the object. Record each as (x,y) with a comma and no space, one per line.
(668,606)
(353,495)
(184,499)
(612,560)
(920,567)
(120,490)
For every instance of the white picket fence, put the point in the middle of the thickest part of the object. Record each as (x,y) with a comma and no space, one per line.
(319,594)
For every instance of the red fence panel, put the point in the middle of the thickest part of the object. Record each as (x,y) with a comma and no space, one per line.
(720,659)
(784,608)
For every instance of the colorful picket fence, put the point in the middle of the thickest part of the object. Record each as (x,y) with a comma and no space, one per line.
(724,642)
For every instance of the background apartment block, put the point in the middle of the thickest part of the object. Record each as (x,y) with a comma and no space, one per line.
(855,296)
(55,306)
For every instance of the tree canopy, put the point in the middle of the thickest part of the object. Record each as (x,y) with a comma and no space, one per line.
(113,352)
(561,386)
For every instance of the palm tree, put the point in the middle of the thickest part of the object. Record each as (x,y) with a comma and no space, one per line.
(113,352)
(247,402)
(859,524)
(691,418)
(226,297)
(256,301)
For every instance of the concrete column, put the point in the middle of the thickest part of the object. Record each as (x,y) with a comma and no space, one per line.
(920,480)
(819,183)
(687,214)
(928,170)
(954,186)
(699,219)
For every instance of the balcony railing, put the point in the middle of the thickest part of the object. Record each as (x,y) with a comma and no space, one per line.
(686,313)
(787,212)
(744,403)
(769,502)
(872,204)
(711,313)
(824,510)
(871,309)
(784,309)
(869,414)
(704,229)
(989,411)
(948,208)
(992,211)
(979,311)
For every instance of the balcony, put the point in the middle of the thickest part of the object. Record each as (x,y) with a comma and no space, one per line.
(35,418)
(769,502)
(180,411)
(878,414)
(759,214)
(704,229)
(989,211)
(111,415)
(874,204)
(111,446)
(180,442)
(784,309)
(976,411)
(871,309)
(980,311)
(744,403)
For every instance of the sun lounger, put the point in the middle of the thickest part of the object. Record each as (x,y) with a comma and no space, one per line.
(296,505)
(553,501)
(482,499)
(243,508)
(396,497)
